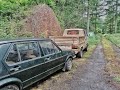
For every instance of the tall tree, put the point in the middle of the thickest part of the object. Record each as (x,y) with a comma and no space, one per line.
(88,16)
(116,15)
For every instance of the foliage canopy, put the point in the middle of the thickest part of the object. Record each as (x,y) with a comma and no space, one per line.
(104,15)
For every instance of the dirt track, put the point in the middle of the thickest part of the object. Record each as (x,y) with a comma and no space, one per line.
(94,76)
(90,78)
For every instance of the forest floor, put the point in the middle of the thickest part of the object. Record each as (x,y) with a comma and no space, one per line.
(90,74)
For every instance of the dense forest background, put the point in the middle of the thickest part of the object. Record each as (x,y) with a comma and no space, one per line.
(98,16)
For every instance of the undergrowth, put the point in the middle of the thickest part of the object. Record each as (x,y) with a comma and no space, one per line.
(112,66)
(114,38)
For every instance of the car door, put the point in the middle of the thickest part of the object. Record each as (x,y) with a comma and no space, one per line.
(52,56)
(60,56)
(21,61)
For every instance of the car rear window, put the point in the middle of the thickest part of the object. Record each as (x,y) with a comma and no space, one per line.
(72,32)
(3,49)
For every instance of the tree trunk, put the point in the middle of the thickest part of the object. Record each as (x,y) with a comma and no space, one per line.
(88,17)
(116,9)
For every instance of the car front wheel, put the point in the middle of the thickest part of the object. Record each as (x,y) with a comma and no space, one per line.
(10,87)
(69,64)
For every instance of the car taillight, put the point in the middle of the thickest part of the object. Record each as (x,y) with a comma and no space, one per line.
(74,47)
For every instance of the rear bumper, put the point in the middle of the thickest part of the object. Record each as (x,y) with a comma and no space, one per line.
(76,50)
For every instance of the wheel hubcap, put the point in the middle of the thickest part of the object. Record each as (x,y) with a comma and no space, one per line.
(12,87)
(70,64)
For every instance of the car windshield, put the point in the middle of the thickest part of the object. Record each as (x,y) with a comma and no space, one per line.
(75,32)
(72,32)
(3,49)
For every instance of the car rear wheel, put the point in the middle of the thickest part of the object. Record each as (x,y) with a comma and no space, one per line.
(69,64)
(86,49)
(80,54)
(10,87)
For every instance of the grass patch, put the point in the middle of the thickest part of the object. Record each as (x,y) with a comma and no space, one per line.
(108,50)
(114,38)
(117,79)
(112,66)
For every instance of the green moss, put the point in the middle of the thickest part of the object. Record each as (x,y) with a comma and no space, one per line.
(117,79)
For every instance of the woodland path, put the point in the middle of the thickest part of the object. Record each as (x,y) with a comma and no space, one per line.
(90,77)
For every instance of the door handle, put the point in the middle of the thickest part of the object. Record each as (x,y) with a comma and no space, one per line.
(16,68)
(47,58)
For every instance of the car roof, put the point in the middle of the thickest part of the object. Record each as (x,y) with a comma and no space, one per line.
(22,40)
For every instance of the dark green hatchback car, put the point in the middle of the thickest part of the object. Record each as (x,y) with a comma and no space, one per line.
(24,62)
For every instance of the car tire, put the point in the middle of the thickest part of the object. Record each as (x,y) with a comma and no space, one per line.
(86,49)
(80,54)
(10,87)
(68,64)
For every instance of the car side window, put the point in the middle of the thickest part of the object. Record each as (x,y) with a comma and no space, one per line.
(56,49)
(13,56)
(48,47)
(28,50)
